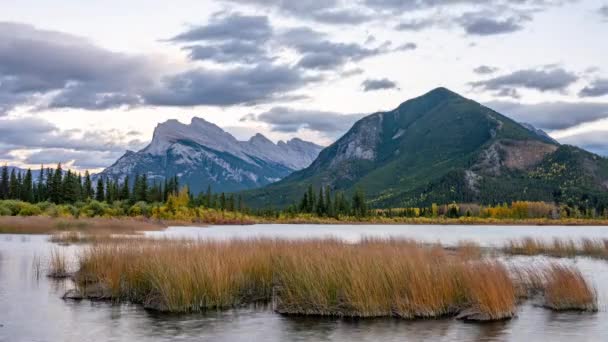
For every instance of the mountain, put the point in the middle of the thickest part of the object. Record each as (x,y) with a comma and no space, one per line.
(201,154)
(442,147)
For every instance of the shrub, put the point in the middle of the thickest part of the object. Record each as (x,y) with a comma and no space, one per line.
(4,211)
(14,206)
(94,208)
(140,209)
(30,210)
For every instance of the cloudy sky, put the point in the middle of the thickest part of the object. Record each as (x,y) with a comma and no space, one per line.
(82,81)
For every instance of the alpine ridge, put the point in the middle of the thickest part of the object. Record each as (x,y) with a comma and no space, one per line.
(444,148)
(202,154)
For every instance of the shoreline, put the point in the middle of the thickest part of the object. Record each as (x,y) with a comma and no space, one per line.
(48,225)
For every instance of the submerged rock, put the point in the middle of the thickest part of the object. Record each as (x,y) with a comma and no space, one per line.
(97,291)
(154,303)
(73,294)
(475,315)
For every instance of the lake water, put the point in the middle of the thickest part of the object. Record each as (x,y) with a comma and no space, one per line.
(31,308)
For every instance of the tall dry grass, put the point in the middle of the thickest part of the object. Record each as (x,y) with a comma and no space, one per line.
(58,264)
(98,225)
(562,248)
(373,278)
(567,289)
(326,277)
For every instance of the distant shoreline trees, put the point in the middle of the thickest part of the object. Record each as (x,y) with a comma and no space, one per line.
(140,196)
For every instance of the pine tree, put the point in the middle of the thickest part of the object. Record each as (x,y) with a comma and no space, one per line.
(230,205)
(40,193)
(311,199)
(359,206)
(125,193)
(143,188)
(88,192)
(223,201)
(4,180)
(55,186)
(99,192)
(239,207)
(13,186)
(320,203)
(329,209)
(208,197)
(27,190)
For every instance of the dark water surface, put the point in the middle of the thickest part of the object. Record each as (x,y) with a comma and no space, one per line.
(31,308)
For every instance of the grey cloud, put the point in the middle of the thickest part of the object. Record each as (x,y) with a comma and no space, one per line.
(378,84)
(597,88)
(79,159)
(604,11)
(34,133)
(415,24)
(284,119)
(482,24)
(322,54)
(594,141)
(485,69)
(340,16)
(546,79)
(36,62)
(242,85)
(407,47)
(229,38)
(231,51)
(229,27)
(552,115)
(324,11)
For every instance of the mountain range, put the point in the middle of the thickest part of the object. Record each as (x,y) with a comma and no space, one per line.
(440,148)
(201,154)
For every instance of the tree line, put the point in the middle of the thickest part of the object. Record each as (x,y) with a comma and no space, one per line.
(67,187)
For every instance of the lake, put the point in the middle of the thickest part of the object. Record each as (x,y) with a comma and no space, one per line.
(31,308)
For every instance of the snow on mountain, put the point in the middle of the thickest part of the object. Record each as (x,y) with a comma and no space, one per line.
(202,154)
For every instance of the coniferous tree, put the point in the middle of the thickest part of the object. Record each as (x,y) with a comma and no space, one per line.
(311,200)
(40,189)
(231,205)
(329,209)
(27,189)
(359,206)
(125,193)
(143,188)
(99,192)
(208,197)
(13,186)
(4,180)
(55,186)
(88,192)
(320,208)
(223,201)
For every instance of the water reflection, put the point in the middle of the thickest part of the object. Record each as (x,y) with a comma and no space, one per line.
(32,310)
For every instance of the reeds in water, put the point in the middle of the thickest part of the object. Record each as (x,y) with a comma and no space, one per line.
(372,278)
(567,289)
(562,248)
(58,264)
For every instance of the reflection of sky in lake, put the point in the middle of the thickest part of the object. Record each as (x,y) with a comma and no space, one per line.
(31,309)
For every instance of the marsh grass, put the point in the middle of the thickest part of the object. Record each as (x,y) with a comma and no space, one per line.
(58,264)
(567,289)
(46,225)
(372,278)
(561,248)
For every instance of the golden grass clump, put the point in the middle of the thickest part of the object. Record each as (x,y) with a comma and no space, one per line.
(373,278)
(567,289)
